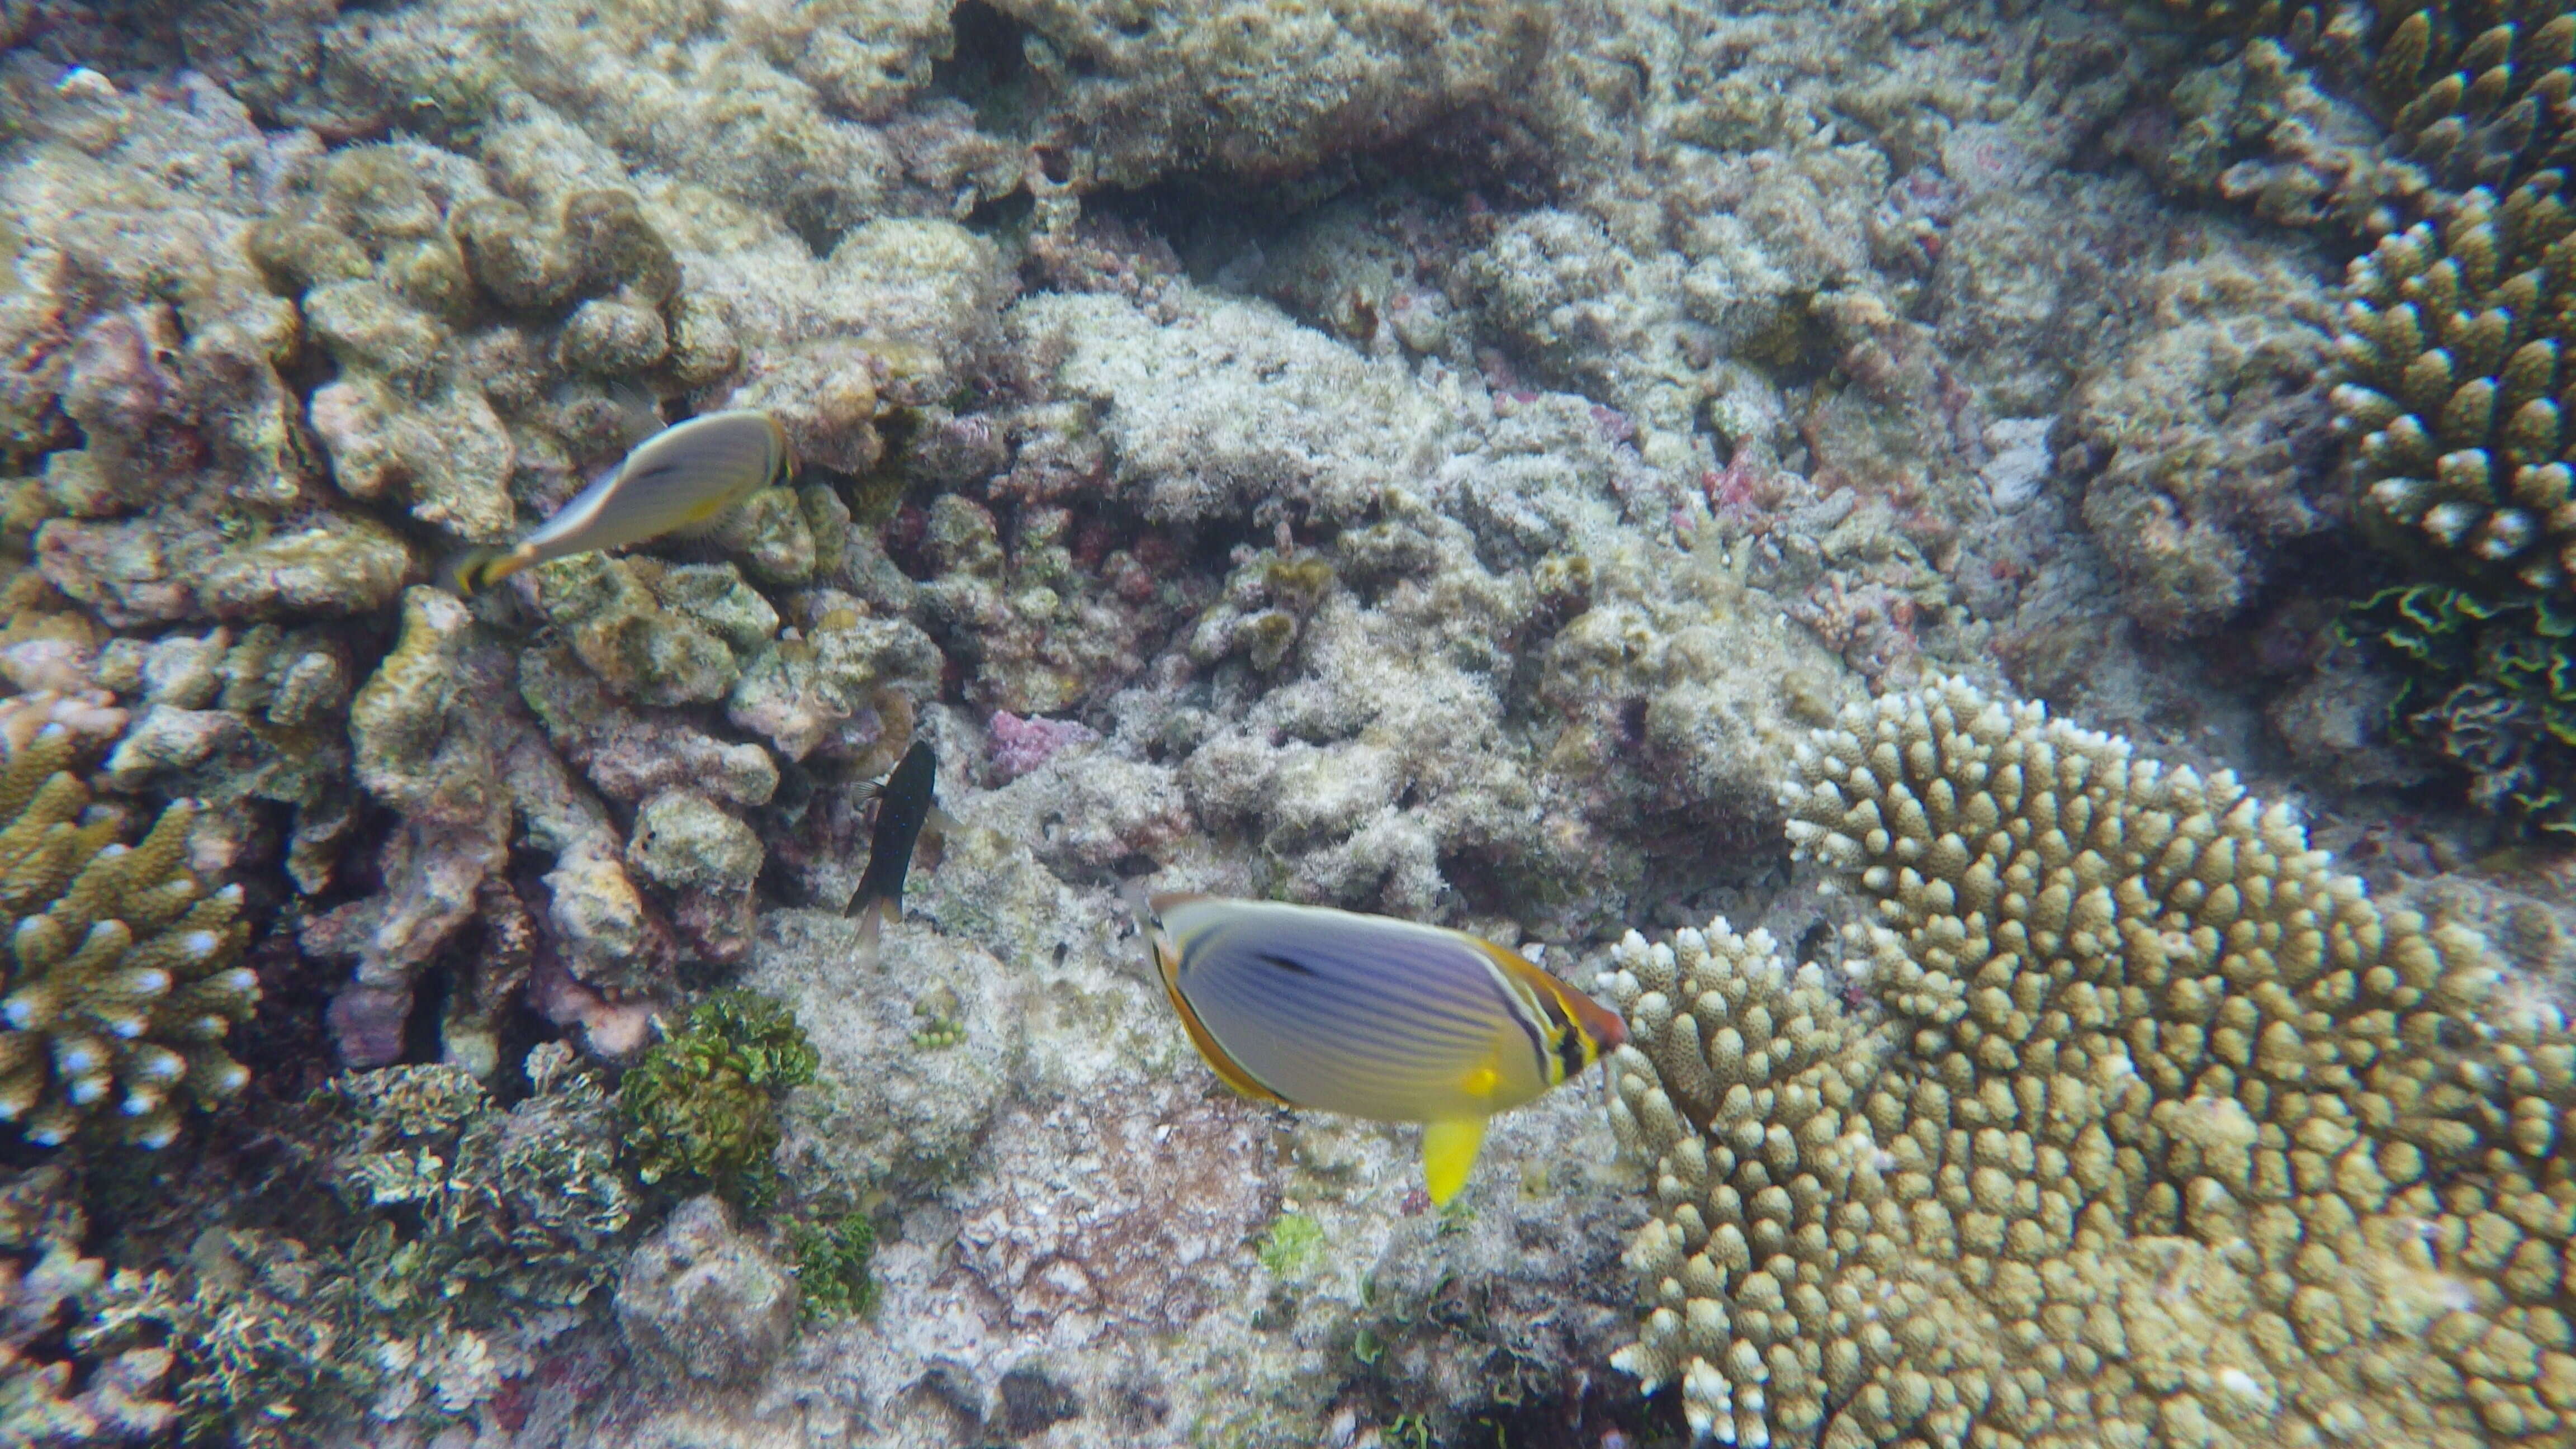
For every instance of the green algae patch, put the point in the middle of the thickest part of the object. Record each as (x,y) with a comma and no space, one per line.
(1293,1247)
(703,1104)
(833,1265)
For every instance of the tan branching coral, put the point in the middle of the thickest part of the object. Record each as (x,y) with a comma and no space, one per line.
(2134,1124)
(2452,341)
(2475,92)
(120,979)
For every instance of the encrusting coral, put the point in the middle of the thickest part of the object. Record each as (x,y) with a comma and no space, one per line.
(2211,434)
(120,981)
(2137,1125)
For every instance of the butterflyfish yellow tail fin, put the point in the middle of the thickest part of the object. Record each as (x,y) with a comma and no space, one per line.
(471,572)
(1448,1154)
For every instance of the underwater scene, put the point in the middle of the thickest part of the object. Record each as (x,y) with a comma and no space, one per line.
(1287,724)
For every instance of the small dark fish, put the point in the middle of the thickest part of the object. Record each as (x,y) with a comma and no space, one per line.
(904,809)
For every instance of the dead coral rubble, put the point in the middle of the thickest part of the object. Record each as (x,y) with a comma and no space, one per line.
(2147,1127)
(43,1279)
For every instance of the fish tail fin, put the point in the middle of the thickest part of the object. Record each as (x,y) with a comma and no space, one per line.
(476,569)
(1448,1154)
(871,931)
(874,913)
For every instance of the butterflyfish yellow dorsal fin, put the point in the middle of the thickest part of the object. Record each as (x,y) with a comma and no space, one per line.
(1448,1155)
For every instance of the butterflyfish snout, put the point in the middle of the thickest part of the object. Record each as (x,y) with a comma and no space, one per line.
(680,480)
(1373,1017)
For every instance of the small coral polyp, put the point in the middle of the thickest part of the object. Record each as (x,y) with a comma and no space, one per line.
(2453,336)
(2138,1125)
(120,981)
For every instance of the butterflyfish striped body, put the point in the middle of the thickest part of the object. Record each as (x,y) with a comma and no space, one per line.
(1373,1017)
(679,480)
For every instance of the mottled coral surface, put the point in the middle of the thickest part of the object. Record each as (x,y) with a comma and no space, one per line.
(1418,456)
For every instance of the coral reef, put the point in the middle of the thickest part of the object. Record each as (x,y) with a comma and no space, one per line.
(1642,382)
(43,1280)
(2211,439)
(704,1299)
(2159,1129)
(2451,344)
(122,981)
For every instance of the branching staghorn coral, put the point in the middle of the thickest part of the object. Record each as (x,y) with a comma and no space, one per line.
(119,983)
(2142,1126)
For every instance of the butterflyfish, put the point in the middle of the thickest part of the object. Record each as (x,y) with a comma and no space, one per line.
(679,480)
(905,808)
(1373,1017)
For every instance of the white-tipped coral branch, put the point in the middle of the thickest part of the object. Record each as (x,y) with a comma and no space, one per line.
(119,983)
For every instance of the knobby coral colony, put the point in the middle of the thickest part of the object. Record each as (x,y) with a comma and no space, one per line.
(119,983)
(2144,1126)
(2452,343)
(2453,335)
(2473,93)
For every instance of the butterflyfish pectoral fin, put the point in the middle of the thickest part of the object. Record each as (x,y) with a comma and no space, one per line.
(1448,1155)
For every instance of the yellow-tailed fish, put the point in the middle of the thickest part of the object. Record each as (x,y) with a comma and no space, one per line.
(1373,1017)
(678,480)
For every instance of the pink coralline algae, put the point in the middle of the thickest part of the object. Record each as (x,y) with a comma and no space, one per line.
(1021,745)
